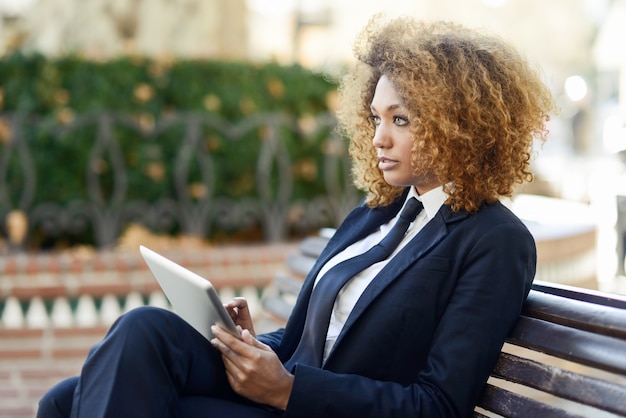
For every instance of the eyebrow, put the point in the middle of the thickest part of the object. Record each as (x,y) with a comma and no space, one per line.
(390,107)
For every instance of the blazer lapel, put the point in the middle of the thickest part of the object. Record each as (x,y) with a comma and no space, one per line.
(365,221)
(432,233)
(360,223)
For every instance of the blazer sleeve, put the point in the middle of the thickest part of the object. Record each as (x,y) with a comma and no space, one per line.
(495,275)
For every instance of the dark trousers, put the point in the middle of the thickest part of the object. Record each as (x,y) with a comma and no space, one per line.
(151,364)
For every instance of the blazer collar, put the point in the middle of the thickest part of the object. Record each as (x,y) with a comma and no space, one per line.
(363,221)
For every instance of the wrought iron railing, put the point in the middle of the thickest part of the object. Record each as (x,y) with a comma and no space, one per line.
(192,204)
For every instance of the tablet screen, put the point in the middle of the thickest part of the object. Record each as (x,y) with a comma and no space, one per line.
(192,297)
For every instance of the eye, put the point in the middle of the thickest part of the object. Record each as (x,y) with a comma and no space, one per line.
(400,120)
(375,120)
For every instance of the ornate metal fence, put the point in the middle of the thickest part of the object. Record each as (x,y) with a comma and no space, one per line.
(190,197)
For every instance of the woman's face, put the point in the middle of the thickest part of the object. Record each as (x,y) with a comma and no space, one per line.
(393,139)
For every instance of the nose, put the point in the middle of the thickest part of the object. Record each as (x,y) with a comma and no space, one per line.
(382,138)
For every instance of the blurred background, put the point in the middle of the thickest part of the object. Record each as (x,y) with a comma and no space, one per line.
(205,129)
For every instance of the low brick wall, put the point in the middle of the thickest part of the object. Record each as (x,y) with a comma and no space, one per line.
(53,308)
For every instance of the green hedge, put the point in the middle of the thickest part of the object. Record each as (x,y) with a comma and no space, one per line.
(54,92)
(35,84)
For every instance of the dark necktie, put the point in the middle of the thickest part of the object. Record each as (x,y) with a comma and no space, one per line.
(311,347)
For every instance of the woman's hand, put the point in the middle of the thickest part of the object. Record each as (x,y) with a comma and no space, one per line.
(238,310)
(253,369)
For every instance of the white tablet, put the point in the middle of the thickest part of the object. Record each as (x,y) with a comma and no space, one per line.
(193,297)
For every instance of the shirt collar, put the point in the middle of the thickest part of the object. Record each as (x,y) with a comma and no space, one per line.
(432,200)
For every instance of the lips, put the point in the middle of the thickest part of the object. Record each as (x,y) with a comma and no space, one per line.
(385,163)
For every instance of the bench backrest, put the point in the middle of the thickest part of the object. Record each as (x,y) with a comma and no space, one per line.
(566,356)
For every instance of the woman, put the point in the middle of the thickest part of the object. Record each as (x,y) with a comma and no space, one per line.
(435,113)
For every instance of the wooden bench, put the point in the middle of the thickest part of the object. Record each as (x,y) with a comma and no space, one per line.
(566,356)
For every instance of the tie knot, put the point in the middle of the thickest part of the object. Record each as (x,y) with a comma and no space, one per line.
(411,209)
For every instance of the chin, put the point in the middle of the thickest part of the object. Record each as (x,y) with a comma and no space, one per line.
(396,183)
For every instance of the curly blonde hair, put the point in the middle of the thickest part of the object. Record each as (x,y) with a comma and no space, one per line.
(475,108)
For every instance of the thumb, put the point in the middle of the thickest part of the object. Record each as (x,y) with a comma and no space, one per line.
(248,338)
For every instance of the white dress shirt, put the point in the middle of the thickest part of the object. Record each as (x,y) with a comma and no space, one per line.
(351,292)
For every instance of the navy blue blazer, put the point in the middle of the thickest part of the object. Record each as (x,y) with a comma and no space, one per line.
(424,336)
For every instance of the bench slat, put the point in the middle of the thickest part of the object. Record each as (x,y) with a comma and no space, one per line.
(277,306)
(287,284)
(299,263)
(577,293)
(565,384)
(605,320)
(600,351)
(514,405)
(313,246)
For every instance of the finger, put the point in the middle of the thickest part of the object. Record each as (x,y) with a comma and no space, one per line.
(230,359)
(231,366)
(222,334)
(234,365)
(231,372)
(231,312)
(233,375)
(226,339)
(250,339)
(237,302)
(222,348)
(225,335)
